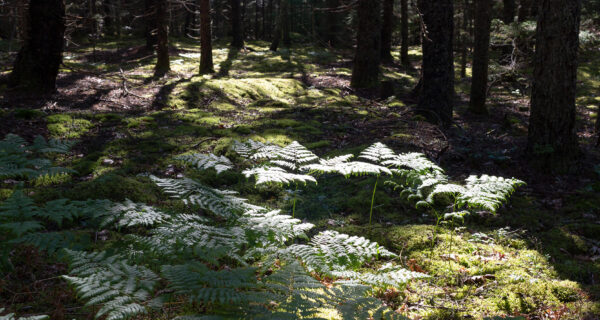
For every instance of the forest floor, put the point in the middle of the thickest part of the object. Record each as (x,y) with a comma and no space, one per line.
(538,257)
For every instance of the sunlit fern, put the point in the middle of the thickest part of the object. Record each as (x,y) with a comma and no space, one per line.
(207,161)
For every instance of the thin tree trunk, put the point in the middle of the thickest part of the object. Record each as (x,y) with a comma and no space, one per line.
(162,45)
(404,33)
(237,33)
(437,88)
(386,31)
(464,39)
(365,72)
(332,23)
(286,24)
(206,60)
(552,141)
(264,18)
(278,29)
(508,12)
(36,65)
(150,19)
(256,25)
(108,20)
(480,56)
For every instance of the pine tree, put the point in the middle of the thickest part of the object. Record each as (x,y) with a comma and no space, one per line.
(365,73)
(206,60)
(36,65)
(552,140)
(387,30)
(237,33)
(480,56)
(162,47)
(404,33)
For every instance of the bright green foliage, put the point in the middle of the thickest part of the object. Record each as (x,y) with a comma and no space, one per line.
(293,156)
(413,161)
(256,150)
(266,227)
(387,275)
(378,153)
(130,214)
(17,159)
(121,288)
(207,161)
(342,166)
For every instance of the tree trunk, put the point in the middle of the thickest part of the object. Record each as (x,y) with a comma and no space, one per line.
(404,32)
(108,20)
(36,65)
(256,25)
(332,22)
(508,12)
(206,60)
(365,72)
(437,88)
(286,23)
(524,10)
(463,38)
(552,141)
(162,39)
(150,19)
(279,26)
(237,33)
(386,31)
(479,80)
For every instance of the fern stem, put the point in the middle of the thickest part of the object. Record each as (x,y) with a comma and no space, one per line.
(294,202)
(373,201)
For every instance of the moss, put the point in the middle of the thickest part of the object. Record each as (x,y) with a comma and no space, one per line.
(108,117)
(5,193)
(117,188)
(318,144)
(65,126)
(28,114)
(565,291)
(145,121)
(409,238)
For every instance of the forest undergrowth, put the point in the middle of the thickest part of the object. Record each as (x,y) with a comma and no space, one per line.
(535,256)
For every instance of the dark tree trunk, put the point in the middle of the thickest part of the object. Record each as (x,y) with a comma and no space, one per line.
(437,88)
(386,31)
(508,12)
(162,38)
(150,19)
(332,22)
(108,20)
(479,80)
(256,25)
(264,18)
(237,33)
(37,63)
(552,141)
(365,72)
(286,24)
(464,39)
(280,26)
(525,10)
(404,32)
(206,60)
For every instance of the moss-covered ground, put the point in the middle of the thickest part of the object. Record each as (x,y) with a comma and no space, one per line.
(538,258)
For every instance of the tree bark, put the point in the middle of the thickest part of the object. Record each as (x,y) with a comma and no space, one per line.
(237,33)
(508,12)
(286,24)
(483,20)
(525,10)
(404,32)
(206,59)
(162,38)
(464,39)
(386,31)
(365,72)
(437,88)
(37,63)
(332,22)
(552,141)
(256,25)
(150,19)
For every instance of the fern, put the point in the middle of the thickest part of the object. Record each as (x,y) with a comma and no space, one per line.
(487,192)
(17,215)
(221,203)
(387,275)
(276,175)
(52,242)
(293,156)
(255,150)
(377,153)
(207,161)
(130,214)
(17,159)
(413,161)
(123,290)
(353,302)
(11,316)
(271,227)
(342,166)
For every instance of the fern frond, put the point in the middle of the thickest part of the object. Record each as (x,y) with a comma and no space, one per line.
(294,155)
(414,161)
(272,226)
(130,214)
(387,275)
(52,242)
(488,192)
(11,316)
(51,146)
(276,175)
(207,161)
(442,190)
(120,288)
(353,302)
(222,203)
(342,166)
(377,152)
(255,150)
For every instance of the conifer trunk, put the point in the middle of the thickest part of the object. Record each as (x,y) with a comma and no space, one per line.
(162,45)
(437,85)
(206,59)
(552,141)
(404,32)
(508,12)
(36,66)
(480,56)
(386,31)
(150,21)
(237,33)
(365,72)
